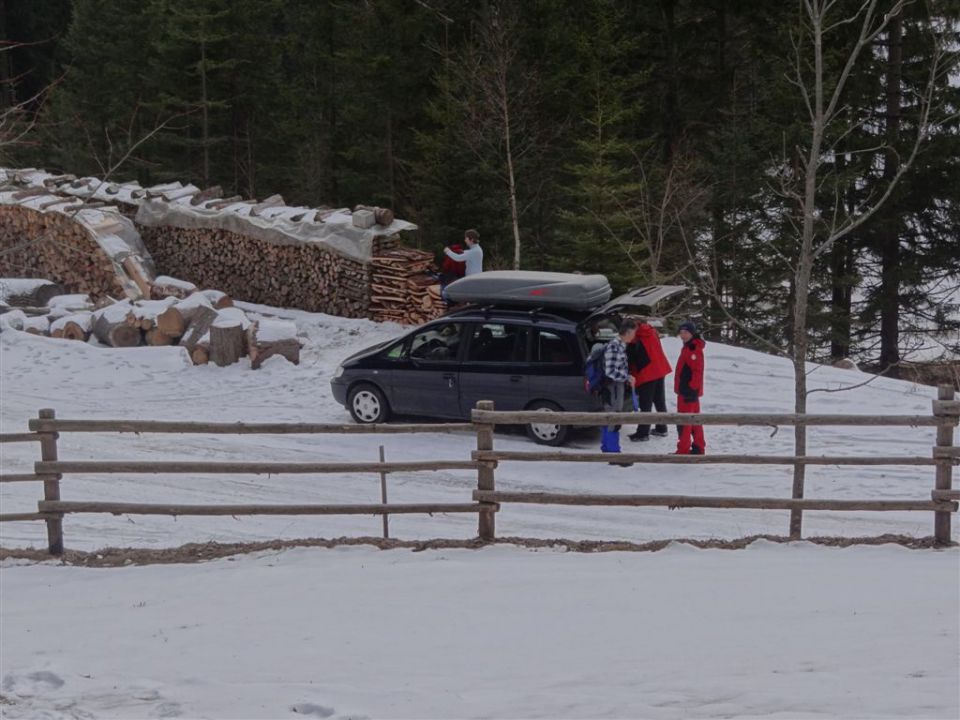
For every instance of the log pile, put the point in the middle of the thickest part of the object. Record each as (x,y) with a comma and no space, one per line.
(401,289)
(316,259)
(305,276)
(57,245)
(204,322)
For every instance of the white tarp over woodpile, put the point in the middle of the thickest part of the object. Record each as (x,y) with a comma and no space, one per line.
(282,225)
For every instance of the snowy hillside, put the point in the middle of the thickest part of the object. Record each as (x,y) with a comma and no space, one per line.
(84,381)
(772,631)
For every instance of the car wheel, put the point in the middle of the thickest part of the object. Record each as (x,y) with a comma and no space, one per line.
(368,405)
(547,433)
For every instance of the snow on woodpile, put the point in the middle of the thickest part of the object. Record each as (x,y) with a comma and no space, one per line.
(88,248)
(331,260)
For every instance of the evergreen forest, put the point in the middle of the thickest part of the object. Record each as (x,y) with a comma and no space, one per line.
(654,141)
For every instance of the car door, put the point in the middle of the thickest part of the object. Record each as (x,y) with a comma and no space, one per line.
(556,369)
(494,366)
(425,380)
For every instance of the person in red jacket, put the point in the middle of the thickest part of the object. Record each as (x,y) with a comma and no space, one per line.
(451,269)
(649,366)
(688,385)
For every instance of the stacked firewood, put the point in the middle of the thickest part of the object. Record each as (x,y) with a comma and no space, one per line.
(306,276)
(204,322)
(34,243)
(402,290)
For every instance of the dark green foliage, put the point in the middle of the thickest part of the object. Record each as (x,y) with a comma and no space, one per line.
(647,136)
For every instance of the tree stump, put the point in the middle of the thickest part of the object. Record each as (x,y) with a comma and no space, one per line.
(226,344)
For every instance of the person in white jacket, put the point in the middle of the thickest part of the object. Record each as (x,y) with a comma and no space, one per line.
(472,256)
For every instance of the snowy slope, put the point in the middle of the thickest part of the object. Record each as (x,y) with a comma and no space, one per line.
(773,631)
(159,383)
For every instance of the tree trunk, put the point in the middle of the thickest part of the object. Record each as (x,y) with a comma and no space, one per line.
(890,225)
(116,333)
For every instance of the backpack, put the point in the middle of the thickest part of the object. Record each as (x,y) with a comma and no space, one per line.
(594,377)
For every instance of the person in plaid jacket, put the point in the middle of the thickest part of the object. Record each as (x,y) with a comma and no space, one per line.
(618,379)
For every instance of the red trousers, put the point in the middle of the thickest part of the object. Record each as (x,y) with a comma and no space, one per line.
(686,431)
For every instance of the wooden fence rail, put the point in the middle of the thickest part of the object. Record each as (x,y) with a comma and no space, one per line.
(945,416)
(485,460)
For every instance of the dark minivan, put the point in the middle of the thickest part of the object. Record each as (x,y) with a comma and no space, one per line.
(521,358)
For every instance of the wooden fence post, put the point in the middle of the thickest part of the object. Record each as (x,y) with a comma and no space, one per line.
(51,486)
(485,476)
(383,497)
(944,477)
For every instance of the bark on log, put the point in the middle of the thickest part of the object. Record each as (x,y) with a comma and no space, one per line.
(199,326)
(115,333)
(226,344)
(38,295)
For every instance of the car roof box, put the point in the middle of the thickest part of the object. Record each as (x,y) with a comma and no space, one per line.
(521,288)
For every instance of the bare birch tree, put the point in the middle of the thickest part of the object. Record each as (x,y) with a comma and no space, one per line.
(822,94)
(497,104)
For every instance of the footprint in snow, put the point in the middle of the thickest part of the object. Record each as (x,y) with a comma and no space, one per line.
(32,684)
(313,710)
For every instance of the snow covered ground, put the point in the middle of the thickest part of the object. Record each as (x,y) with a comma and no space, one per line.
(783,631)
(84,381)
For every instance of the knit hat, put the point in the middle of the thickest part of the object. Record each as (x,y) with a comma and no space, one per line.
(689,326)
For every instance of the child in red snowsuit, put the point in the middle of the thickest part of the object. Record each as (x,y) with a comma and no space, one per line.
(688,385)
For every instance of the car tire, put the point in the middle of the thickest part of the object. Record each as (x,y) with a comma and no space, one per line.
(367,404)
(546,433)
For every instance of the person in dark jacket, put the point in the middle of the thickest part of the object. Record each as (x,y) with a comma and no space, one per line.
(688,385)
(649,366)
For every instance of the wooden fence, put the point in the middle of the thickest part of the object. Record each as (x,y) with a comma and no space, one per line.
(485,460)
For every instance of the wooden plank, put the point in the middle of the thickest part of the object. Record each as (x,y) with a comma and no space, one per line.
(24,477)
(945,495)
(19,437)
(486,481)
(17,517)
(245,468)
(167,426)
(693,501)
(944,407)
(51,484)
(946,452)
(596,419)
(943,477)
(534,456)
(113,508)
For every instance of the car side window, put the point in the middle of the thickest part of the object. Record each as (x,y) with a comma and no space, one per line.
(437,342)
(552,347)
(496,343)
(396,352)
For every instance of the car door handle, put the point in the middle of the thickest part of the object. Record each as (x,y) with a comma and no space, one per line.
(451,379)
(516,378)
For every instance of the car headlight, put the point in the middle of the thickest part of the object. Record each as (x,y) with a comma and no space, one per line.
(339,371)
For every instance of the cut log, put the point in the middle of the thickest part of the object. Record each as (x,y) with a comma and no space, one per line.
(156,337)
(29,292)
(189,307)
(199,326)
(133,265)
(171,323)
(166,286)
(115,332)
(218,299)
(72,327)
(200,355)
(267,338)
(226,344)
(37,325)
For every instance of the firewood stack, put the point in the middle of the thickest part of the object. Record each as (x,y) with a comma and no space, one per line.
(64,245)
(401,289)
(304,276)
(315,259)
